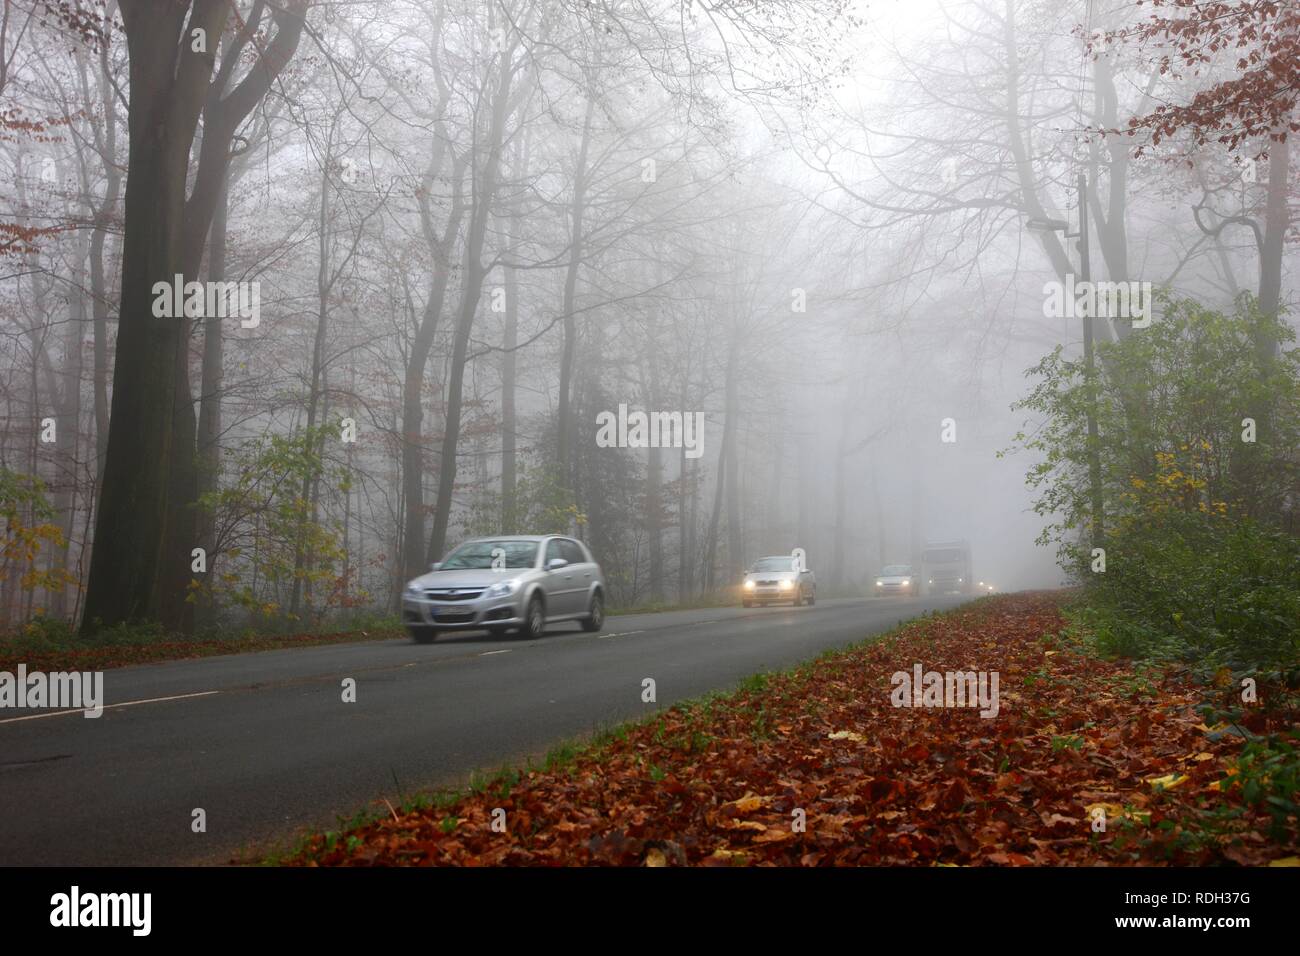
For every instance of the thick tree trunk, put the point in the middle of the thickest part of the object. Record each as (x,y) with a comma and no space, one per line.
(145,527)
(144,470)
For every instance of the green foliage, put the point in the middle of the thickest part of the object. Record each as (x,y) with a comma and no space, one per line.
(1268,772)
(26,526)
(542,506)
(268,535)
(1208,588)
(1171,400)
(1201,563)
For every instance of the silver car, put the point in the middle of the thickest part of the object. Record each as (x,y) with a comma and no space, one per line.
(777,579)
(519,582)
(898,580)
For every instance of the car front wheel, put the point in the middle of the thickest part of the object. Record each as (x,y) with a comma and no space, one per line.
(595,618)
(534,620)
(423,635)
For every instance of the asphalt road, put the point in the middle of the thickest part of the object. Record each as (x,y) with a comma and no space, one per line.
(265,745)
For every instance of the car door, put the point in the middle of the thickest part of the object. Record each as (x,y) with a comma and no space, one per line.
(558,584)
(584,572)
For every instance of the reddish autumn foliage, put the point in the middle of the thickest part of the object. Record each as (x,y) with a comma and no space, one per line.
(1260,39)
(719,783)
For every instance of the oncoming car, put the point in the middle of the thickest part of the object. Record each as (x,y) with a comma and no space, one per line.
(515,583)
(775,580)
(897,579)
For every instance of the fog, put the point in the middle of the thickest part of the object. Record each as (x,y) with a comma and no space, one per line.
(464,233)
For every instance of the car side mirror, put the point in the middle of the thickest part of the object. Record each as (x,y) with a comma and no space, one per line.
(555,564)
(435,566)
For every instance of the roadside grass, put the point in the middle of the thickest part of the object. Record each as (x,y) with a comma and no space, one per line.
(712,780)
(48,645)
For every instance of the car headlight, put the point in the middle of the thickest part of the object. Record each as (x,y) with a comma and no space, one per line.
(906,582)
(748,585)
(786,584)
(413,587)
(932,580)
(880,584)
(959,580)
(501,589)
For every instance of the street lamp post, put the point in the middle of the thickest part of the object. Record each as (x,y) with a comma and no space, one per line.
(1089,363)
(1090,377)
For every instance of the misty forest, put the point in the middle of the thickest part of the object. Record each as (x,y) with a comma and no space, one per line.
(806,433)
(295,297)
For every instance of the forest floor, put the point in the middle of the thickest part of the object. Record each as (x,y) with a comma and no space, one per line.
(1087,762)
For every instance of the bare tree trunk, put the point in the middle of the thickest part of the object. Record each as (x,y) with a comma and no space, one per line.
(564,414)
(316,386)
(726,464)
(730,438)
(471,291)
(509,428)
(211,383)
(840,506)
(653,489)
(99,235)
(1276,223)
(69,418)
(414,559)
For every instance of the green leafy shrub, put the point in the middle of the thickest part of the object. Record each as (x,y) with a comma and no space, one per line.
(1199,445)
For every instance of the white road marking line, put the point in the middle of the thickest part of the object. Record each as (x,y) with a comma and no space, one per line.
(128,703)
(490,653)
(620,634)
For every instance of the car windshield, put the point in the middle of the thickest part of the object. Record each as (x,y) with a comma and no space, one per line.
(478,555)
(782,563)
(896,569)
